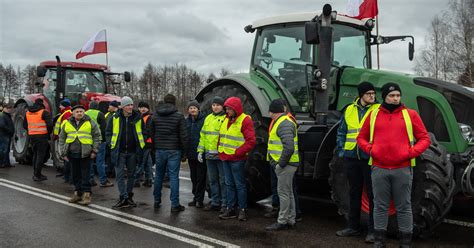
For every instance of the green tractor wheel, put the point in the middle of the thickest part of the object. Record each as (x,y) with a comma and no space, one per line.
(257,168)
(432,191)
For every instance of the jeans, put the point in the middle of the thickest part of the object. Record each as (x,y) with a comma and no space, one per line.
(358,175)
(287,213)
(396,184)
(172,160)
(145,166)
(80,173)
(198,179)
(215,172)
(4,150)
(129,161)
(275,198)
(235,182)
(100,163)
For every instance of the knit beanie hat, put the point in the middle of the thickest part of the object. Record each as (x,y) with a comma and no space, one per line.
(143,105)
(389,87)
(277,106)
(65,103)
(169,99)
(218,100)
(364,87)
(194,103)
(114,104)
(126,101)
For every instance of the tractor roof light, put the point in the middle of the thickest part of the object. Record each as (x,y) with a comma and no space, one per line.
(466,132)
(370,23)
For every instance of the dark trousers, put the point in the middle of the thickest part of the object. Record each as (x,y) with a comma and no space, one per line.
(4,150)
(358,174)
(126,161)
(80,173)
(40,148)
(198,179)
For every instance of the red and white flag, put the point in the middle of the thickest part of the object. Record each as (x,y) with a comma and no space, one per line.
(361,9)
(96,44)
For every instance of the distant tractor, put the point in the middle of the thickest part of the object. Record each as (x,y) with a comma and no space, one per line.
(81,83)
(315,61)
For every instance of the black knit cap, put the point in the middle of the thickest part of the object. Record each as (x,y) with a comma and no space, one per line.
(277,106)
(218,100)
(143,105)
(364,87)
(389,87)
(169,99)
(114,104)
(78,106)
(194,103)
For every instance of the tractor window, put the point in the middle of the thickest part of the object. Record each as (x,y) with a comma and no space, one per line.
(283,52)
(84,81)
(433,119)
(350,47)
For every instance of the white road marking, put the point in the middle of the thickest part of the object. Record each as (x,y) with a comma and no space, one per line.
(106,215)
(151,222)
(459,223)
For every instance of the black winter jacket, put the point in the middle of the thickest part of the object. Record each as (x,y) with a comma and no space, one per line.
(167,129)
(46,116)
(7,128)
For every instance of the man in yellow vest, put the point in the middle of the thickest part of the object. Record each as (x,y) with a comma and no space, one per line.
(207,149)
(394,136)
(65,113)
(39,124)
(356,161)
(147,162)
(236,140)
(125,134)
(79,141)
(282,153)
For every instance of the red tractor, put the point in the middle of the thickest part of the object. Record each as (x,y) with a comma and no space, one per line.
(81,83)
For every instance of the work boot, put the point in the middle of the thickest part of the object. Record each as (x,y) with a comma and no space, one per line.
(179,208)
(75,197)
(148,183)
(130,200)
(242,215)
(121,203)
(86,199)
(379,239)
(276,227)
(347,232)
(273,213)
(405,240)
(229,213)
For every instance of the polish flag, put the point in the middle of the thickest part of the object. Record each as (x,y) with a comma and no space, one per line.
(96,44)
(361,9)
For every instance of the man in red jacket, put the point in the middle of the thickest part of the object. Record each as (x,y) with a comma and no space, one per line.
(236,140)
(394,136)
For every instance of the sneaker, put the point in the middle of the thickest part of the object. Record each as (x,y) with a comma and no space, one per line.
(179,208)
(277,227)
(243,215)
(122,203)
(229,213)
(211,207)
(347,232)
(106,184)
(192,204)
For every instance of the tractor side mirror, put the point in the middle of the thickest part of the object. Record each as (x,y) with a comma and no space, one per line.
(41,71)
(411,50)
(311,30)
(126,76)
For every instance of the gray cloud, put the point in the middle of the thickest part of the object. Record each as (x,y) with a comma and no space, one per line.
(205,34)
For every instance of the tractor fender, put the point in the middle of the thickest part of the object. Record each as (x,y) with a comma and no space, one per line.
(325,150)
(30,100)
(259,94)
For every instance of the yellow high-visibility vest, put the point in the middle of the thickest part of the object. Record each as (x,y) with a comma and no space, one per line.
(275,146)
(209,135)
(116,130)
(59,121)
(409,127)
(84,133)
(351,116)
(231,138)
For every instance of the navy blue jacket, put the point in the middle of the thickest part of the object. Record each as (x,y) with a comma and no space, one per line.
(194,127)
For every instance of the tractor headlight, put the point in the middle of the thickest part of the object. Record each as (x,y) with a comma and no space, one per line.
(466,132)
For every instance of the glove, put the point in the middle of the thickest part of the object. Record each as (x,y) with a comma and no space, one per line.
(200,159)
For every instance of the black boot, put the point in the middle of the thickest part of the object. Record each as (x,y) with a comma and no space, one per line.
(379,238)
(405,240)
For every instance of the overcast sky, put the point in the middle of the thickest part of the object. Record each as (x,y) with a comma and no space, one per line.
(206,35)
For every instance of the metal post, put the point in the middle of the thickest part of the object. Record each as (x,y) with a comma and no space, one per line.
(378,52)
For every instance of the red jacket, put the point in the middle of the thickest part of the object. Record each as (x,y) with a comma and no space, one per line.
(65,117)
(247,130)
(390,148)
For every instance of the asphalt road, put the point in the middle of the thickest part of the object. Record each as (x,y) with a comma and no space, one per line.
(36,214)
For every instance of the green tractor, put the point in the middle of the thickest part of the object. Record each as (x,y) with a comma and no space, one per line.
(315,61)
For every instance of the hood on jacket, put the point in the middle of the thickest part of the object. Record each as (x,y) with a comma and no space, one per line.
(166,109)
(66,109)
(35,107)
(235,104)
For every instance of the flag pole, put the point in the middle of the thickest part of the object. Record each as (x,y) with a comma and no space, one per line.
(106,51)
(378,51)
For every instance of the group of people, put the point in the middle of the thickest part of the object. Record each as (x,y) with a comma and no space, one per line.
(379,144)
